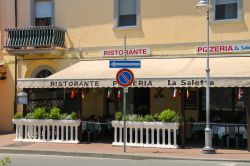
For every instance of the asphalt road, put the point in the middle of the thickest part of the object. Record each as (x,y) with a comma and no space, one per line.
(46,160)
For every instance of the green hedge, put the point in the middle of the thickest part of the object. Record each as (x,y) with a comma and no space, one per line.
(40,113)
(167,115)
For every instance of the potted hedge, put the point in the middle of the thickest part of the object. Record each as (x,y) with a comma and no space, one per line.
(166,117)
(47,126)
(151,126)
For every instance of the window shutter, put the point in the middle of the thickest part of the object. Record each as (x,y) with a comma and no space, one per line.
(212,11)
(43,9)
(219,2)
(127,7)
(240,10)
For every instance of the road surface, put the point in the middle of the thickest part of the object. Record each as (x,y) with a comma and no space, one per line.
(51,160)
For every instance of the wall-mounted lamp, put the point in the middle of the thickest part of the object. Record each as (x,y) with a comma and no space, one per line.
(22,98)
(159,94)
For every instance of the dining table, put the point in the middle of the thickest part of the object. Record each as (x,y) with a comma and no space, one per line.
(221,130)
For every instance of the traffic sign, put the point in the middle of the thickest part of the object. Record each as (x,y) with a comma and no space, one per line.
(124,64)
(125,77)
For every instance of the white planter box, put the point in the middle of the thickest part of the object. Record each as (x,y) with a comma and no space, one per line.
(143,134)
(47,130)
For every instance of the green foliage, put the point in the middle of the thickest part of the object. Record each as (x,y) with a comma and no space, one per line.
(29,116)
(55,113)
(68,117)
(156,117)
(139,119)
(39,113)
(47,115)
(73,116)
(165,116)
(18,115)
(149,118)
(63,116)
(169,116)
(132,117)
(176,118)
(5,161)
(127,118)
(118,116)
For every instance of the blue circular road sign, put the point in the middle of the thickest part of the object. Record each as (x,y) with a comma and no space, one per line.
(125,77)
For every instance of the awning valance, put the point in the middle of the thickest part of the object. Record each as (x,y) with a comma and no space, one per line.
(170,72)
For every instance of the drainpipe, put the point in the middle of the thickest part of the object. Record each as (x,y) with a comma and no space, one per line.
(247,92)
(15,84)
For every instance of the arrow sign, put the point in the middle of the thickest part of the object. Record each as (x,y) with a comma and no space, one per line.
(124,64)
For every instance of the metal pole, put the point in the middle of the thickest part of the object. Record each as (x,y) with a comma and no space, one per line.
(15,86)
(15,81)
(208,132)
(124,105)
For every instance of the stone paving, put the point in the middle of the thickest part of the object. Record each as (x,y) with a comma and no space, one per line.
(98,149)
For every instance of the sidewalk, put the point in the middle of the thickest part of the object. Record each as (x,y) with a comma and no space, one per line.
(108,151)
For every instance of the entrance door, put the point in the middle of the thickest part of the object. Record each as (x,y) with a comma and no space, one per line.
(141,101)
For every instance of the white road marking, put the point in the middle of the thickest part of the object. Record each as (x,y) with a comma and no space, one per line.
(227,164)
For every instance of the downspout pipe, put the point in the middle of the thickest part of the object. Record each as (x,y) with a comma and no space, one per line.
(15,83)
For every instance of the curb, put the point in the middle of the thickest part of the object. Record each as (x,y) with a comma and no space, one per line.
(112,155)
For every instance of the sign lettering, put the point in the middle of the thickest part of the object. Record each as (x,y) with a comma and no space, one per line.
(231,48)
(129,52)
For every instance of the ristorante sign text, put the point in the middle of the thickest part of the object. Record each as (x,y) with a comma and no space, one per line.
(129,52)
(136,83)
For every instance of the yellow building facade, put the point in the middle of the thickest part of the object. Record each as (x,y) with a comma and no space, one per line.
(164,28)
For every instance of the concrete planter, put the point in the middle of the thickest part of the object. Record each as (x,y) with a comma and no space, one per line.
(143,134)
(47,130)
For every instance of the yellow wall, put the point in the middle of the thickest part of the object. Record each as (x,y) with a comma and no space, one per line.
(164,22)
(7,100)
(90,24)
(168,27)
(157,105)
(93,103)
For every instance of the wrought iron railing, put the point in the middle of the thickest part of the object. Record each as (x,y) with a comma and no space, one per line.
(34,37)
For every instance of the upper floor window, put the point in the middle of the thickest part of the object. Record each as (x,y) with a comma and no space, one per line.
(43,12)
(226,10)
(127,13)
(43,73)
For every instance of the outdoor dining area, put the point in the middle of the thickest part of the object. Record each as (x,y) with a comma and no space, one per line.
(91,130)
(229,135)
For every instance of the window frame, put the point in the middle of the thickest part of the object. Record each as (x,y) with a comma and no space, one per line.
(116,17)
(41,68)
(33,12)
(239,13)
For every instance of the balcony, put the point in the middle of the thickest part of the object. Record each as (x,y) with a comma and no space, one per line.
(35,40)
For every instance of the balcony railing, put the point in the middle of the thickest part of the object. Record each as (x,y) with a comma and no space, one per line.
(33,38)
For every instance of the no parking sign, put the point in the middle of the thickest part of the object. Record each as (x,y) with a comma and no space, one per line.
(125,77)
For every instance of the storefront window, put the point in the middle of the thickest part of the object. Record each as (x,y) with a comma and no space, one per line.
(45,98)
(220,99)
(239,99)
(226,105)
(224,99)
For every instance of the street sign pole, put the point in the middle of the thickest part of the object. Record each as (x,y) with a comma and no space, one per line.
(124,105)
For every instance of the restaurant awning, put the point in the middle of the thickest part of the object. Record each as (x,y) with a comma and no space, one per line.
(169,72)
